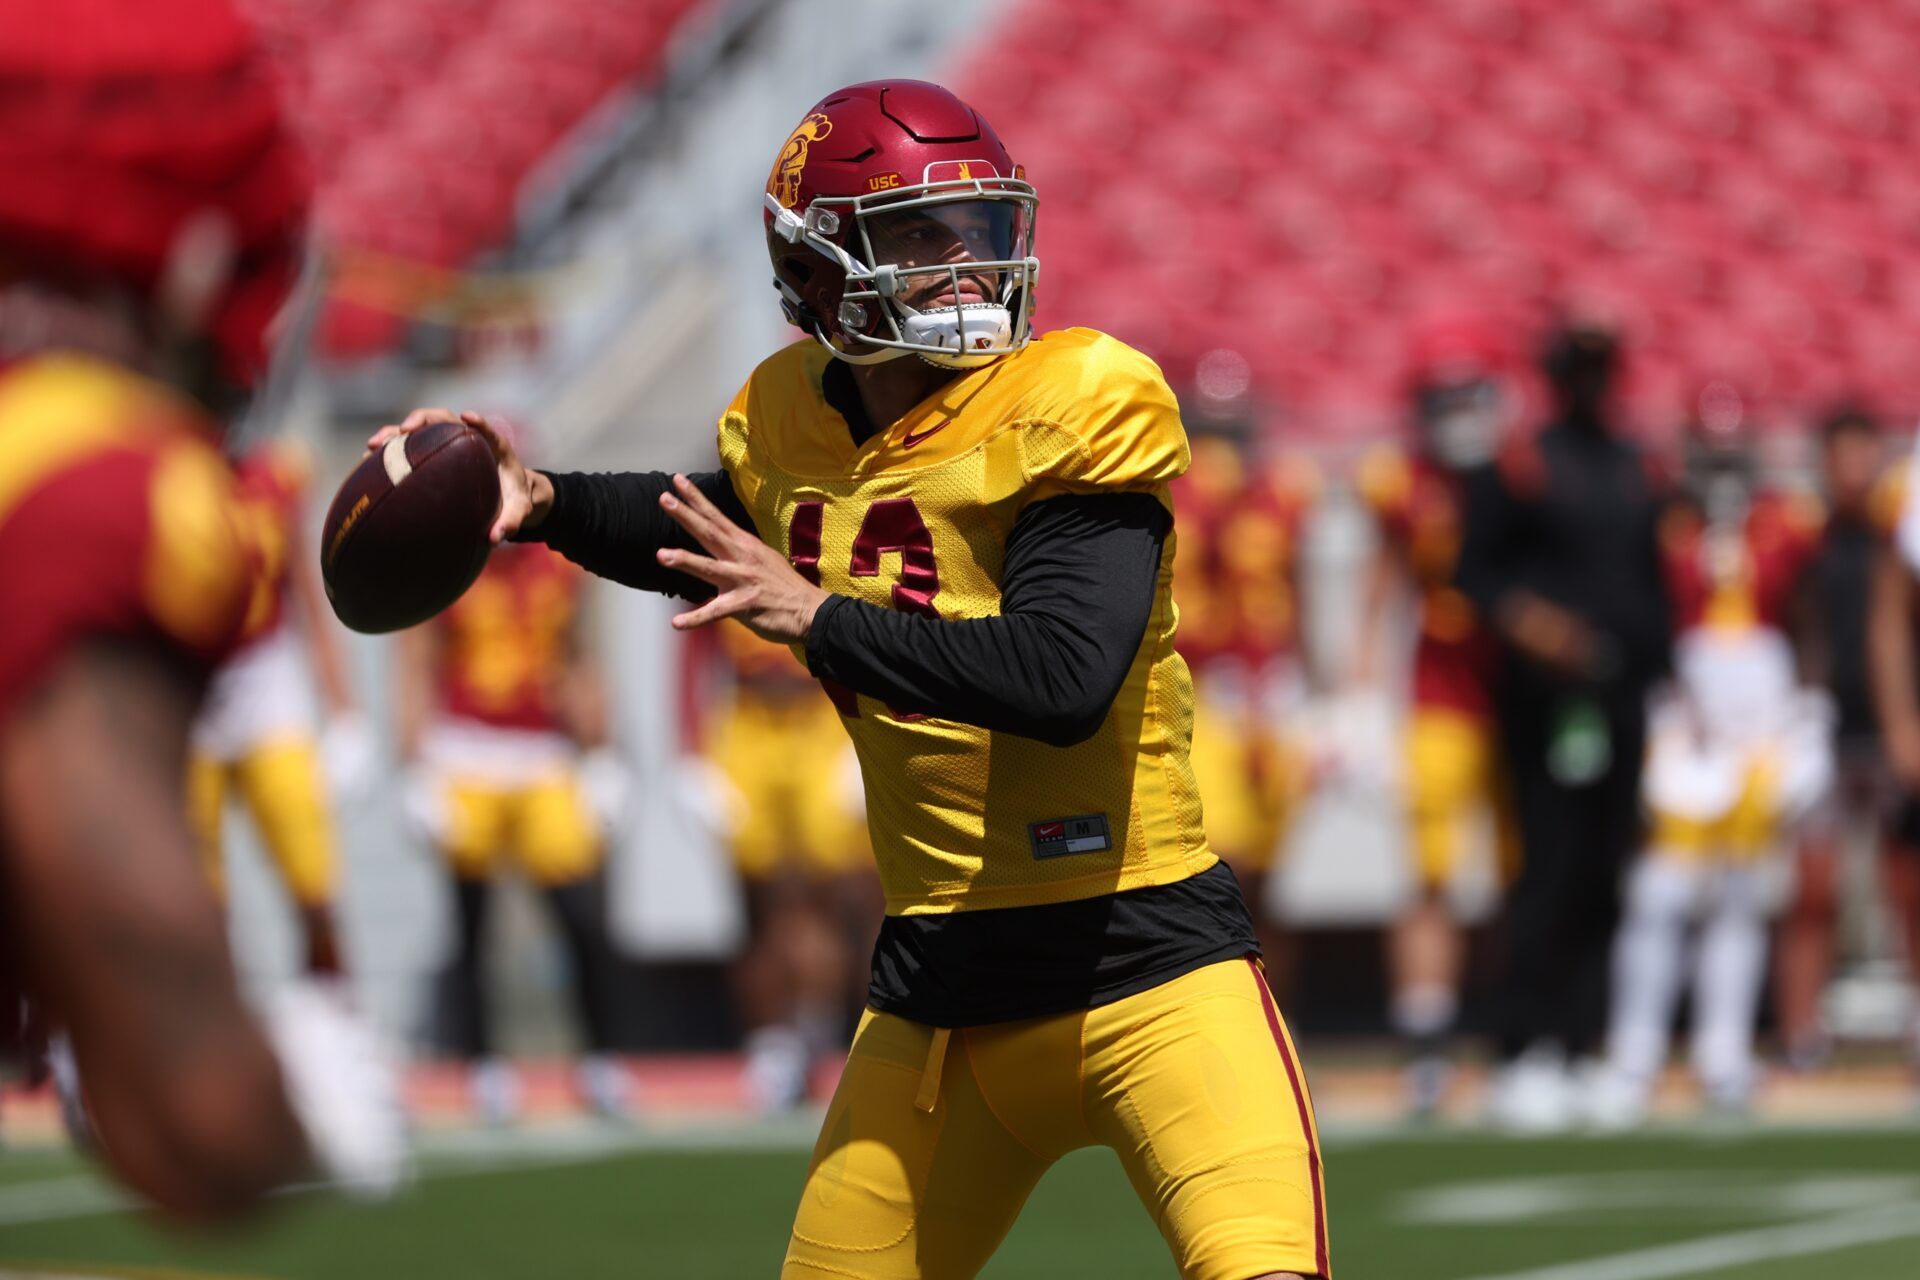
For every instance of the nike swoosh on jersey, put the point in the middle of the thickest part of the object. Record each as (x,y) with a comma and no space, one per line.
(913,438)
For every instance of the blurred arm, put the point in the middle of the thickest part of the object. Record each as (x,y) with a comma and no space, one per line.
(612,524)
(585,689)
(415,659)
(1545,632)
(1808,631)
(323,642)
(124,942)
(1386,569)
(1890,660)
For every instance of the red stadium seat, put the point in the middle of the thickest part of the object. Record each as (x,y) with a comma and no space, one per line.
(1664,161)
(425,116)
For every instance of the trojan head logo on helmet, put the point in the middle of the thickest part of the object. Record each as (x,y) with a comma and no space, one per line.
(784,186)
(899,225)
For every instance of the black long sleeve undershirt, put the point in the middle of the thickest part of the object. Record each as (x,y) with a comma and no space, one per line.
(611,524)
(1077,588)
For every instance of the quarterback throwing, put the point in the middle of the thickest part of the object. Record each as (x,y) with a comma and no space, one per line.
(967,536)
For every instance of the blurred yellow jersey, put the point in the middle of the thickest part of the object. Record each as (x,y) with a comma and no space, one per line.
(917,518)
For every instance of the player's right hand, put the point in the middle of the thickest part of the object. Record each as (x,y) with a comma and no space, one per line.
(525,496)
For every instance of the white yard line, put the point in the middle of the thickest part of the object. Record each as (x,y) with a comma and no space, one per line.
(73,1196)
(1716,1253)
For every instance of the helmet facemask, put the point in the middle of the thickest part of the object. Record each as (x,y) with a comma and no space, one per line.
(1460,421)
(942,270)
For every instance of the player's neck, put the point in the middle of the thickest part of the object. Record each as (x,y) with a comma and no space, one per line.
(888,391)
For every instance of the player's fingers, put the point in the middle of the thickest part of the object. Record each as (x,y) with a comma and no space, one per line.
(427,417)
(701,567)
(702,525)
(724,605)
(690,493)
(379,438)
(496,439)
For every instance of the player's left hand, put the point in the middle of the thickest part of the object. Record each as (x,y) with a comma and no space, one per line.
(755,582)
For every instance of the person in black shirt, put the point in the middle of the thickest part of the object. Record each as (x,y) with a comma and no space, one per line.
(1560,553)
(1830,635)
(1893,666)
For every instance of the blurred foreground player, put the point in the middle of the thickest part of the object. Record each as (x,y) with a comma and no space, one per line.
(968,537)
(258,736)
(1242,520)
(1864,497)
(1561,558)
(500,703)
(149,230)
(1738,754)
(800,845)
(1452,773)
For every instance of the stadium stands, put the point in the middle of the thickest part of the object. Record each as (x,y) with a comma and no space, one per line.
(1731,182)
(423,118)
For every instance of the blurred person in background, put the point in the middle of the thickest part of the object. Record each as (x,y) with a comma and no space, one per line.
(503,732)
(257,736)
(1561,557)
(1893,660)
(1452,776)
(1738,753)
(1863,498)
(799,840)
(151,224)
(1242,519)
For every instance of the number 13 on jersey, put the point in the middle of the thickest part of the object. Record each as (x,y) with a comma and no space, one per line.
(890,525)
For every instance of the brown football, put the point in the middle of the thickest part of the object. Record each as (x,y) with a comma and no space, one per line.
(407,532)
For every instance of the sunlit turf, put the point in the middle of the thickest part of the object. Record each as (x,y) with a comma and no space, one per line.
(1446,1206)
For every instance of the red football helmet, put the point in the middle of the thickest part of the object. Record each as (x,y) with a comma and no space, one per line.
(129,124)
(1457,368)
(898,224)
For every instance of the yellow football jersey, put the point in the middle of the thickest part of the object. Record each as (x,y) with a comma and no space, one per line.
(917,518)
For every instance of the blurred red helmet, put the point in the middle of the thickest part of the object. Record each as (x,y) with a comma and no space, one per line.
(1457,368)
(125,124)
(898,224)
(1448,350)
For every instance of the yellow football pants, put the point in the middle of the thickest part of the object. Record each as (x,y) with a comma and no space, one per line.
(935,1138)
(1251,782)
(1452,776)
(1750,829)
(280,784)
(546,825)
(789,817)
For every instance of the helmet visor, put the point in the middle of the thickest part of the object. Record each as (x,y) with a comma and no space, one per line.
(942,233)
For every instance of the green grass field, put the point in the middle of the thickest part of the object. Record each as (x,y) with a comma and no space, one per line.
(1444,1206)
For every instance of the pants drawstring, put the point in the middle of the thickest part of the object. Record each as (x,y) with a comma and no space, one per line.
(930,1074)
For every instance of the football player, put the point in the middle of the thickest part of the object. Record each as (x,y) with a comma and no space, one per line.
(1451,773)
(1242,520)
(1738,753)
(1893,658)
(1864,497)
(500,705)
(257,735)
(150,223)
(966,535)
(799,842)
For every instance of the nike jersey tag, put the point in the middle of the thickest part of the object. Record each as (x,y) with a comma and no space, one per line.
(1058,837)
